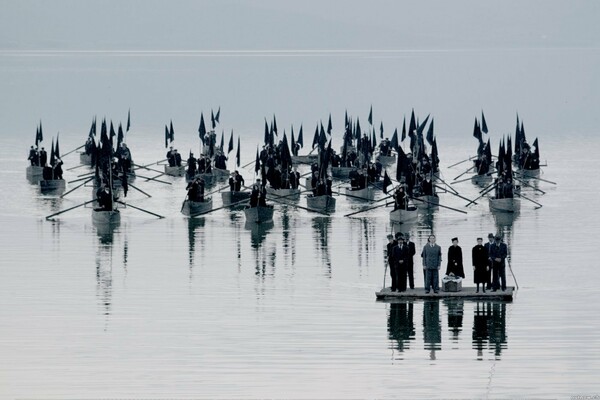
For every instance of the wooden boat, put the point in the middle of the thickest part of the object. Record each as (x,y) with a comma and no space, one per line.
(208,178)
(481,180)
(509,205)
(529,173)
(220,173)
(427,202)
(321,203)
(104,217)
(240,199)
(260,214)
(387,159)
(34,173)
(386,294)
(193,208)
(341,172)
(305,159)
(175,171)
(85,159)
(52,186)
(284,195)
(367,193)
(401,216)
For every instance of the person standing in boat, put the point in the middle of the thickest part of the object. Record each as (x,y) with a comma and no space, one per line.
(481,267)
(455,260)
(43,157)
(191,165)
(498,254)
(220,160)
(329,185)
(427,186)
(177,158)
(401,254)
(390,260)
(400,199)
(236,181)
(171,157)
(432,260)
(33,157)
(103,197)
(410,260)
(57,169)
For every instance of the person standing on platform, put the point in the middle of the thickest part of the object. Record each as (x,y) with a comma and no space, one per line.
(455,260)
(498,253)
(481,267)
(401,260)
(488,276)
(432,259)
(390,260)
(410,262)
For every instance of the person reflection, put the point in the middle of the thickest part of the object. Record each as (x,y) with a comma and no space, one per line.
(401,327)
(480,327)
(455,316)
(432,328)
(489,325)
(193,225)
(498,328)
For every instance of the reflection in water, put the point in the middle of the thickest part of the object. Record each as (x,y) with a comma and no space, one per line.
(455,316)
(365,241)
(401,327)
(265,256)
(322,228)
(106,232)
(489,325)
(104,263)
(193,225)
(432,328)
(289,242)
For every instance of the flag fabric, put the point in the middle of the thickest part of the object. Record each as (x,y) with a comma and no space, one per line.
(218,115)
(358,133)
(537,148)
(212,120)
(120,135)
(403,129)
(316,137)
(52,156)
(329,126)
(230,146)
(435,160)
(92,129)
(293,144)
(430,133)
(171,132)
(477,131)
(300,140)
(400,163)
(56,148)
(421,127)
(394,141)
(166,136)
(128,119)
(267,135)
(371,115)
(222,140)
(238,153)
(257,162)
(386,182)
(374,140)
(202,128)
(381,130)
(286,157)
(412,126)
(275,125)
(484,127)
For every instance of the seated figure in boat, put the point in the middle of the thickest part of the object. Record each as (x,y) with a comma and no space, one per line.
(34,158)
(427,186)
(236,181)
(191,165)
(124,156)
(295,149)
(336,160)
(351,159)
(177,158)
(258,195)
(103,198)
(285,179)
(400,199)
(384,148)
(201,165)
(207,166)
(220,160)
(43,157)
(321,189)
(196,190)
(274,177)
(314,180)
(89,146)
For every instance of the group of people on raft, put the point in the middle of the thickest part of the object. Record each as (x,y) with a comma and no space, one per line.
(488,262)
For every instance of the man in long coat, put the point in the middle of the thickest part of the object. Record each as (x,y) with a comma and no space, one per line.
(479,256)
(432,259)
(401,254)
(498,253)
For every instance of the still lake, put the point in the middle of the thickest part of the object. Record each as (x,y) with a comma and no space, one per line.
(211,307)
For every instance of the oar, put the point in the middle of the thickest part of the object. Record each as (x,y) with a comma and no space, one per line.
(81,179)
(76,187)
(458,195)
(441,205)
(279,198)
(69,209)
(448,186)
(146,168)
(538,178)
(218,190)
(86,174)
(527,198)
(151,179)
(139,209)
(75,167)
(69,152)
(368,208)
(138,189)
(490,188)
(464,172)
(216,209)
(528,185)
(460,162)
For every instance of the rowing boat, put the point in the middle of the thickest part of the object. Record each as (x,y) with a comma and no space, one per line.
(193,208)
(52,186)
(220,173)
(230,198)
(481,180)
(402,216)
(305,159)
(284,195)
(341,172)
(323,203)
(387,159)
(259,214)
(206,177)
(105,217)
(85,159)
(509,205)
(529,173)
(175,171)
(427,202)
(34,173)
(367,193)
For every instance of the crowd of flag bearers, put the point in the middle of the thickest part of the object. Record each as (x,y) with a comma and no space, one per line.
(488,261)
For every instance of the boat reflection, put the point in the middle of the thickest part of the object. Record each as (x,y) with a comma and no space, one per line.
(322,229)
(193,225)
(258,232)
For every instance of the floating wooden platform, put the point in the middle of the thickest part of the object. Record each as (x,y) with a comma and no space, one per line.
(465,293)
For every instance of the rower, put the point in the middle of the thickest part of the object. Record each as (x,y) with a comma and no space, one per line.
(236,182)
(400,199)
(191,163)
(177,158)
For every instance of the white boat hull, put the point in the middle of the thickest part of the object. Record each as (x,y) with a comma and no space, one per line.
(321,203)
(52,186)
(85,159)
(341,172)
(284,195)
(306,159)
(236,198)
(193,208)
(102,217)
(510,205)
(174,171)
(34,173)
(387,159)
(404,216)
(367,193)
(530,173)
(259,214)
(428,202)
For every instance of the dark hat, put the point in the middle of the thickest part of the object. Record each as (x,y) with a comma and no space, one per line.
(390,236)
(455,238)
(479,238)
(490,235)
(498,237)
(407,235)
(399,235)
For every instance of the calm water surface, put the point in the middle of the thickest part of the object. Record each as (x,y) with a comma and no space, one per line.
(212,307)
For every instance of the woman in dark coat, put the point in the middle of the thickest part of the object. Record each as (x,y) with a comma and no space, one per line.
(455,260)
(480,264)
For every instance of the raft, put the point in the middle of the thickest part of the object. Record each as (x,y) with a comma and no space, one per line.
(465,293)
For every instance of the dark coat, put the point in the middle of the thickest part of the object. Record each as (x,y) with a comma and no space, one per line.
(498,251)
(455,262)
(401,253)
(479,255)
(390,252)
(411,252)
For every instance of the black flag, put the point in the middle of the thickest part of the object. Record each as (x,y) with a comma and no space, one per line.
(275,125)
(386,182)
(166,136)
(56,149)
(430,133)
(120,135)
(230,146)
(218,115)
(267,136)
(381,130)
(202,128)
(403,130)
(257,162)
(484,127)
(329,126)
(477,131)
(128,119)
(394,141)
(300,138)
(222,140)
(212,120)
(237,154)
(371,115)
(171,132)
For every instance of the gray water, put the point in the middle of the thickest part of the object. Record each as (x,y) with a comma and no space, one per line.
(210,307)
